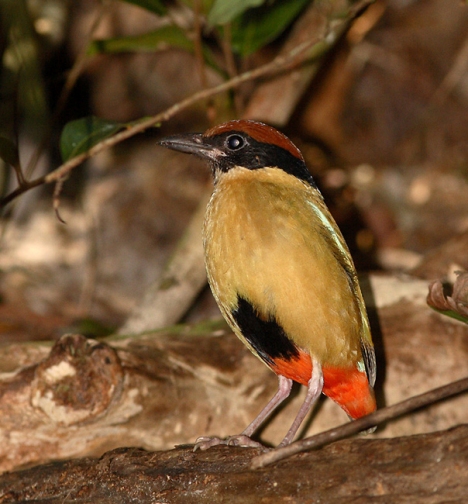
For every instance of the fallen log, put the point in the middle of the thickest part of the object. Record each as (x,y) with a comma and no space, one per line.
(429,468)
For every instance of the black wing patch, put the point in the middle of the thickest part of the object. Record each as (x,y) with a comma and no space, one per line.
(267,337)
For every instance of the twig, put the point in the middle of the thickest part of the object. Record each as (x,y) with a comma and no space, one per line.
(70,82)
(200,62)
(453,76)
(197,44)
(226,45)
(56,197)
(308,50)
(22,189)
(364,423)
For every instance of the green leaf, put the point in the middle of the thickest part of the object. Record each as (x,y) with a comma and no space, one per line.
(259,26)
(224,11)
(9,152)
(155,6)
(452,314)
(80,135)
(157,40)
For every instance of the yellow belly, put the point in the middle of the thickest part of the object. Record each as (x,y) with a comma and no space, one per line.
(266,242)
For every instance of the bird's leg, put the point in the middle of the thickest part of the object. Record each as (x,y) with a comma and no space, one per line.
(314,390)
(244,439)
(284,389)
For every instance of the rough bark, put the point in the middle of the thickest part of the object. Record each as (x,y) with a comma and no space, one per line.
(430,468)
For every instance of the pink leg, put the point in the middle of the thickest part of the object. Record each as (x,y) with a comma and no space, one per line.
(284,389)
(314,390)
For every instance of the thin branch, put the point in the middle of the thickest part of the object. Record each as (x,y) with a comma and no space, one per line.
(20,178)
(197,44)
(453,77)
(310,49)
(82,59)
(378,417)
(199,59)
(70,82)
(230,63)
(22,189)
(56,197)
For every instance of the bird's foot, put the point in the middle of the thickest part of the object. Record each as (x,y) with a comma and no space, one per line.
(204,442)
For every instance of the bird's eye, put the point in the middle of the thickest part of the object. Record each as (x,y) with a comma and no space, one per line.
(235,142)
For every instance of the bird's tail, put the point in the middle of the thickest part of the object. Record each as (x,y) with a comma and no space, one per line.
(350,389)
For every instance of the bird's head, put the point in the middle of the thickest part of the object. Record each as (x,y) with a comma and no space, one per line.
(247,144)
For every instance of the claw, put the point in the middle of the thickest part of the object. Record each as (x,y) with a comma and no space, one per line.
(244,441)
(204,442)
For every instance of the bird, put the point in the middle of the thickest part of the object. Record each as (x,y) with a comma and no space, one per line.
(281,272)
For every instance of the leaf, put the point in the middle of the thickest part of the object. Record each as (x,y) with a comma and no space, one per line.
(259,26)
(156,40)
(80,135)
(9,152)
(224,11)
(155,6)
(453,314)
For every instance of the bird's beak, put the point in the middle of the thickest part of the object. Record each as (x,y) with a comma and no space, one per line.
(192,144)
